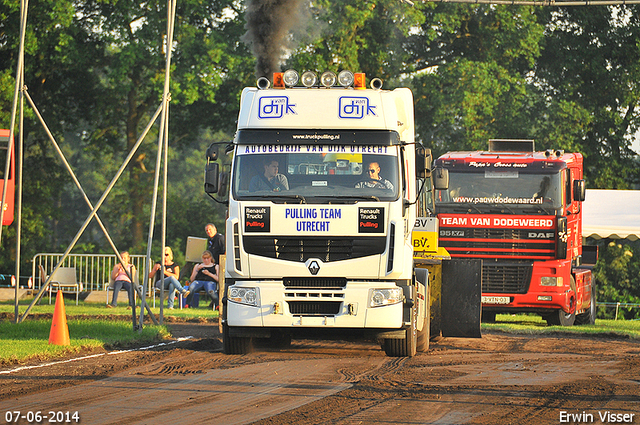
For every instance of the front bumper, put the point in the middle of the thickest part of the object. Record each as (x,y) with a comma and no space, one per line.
(348,307)
(530,302)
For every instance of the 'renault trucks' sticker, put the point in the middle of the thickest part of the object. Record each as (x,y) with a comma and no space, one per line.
(257,219)
(370,220)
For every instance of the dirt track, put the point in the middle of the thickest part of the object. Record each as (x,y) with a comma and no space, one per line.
(499,379)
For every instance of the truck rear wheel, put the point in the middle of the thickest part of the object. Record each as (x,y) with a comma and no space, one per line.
(235,344)
(425,335)
(589,316)
(422,342)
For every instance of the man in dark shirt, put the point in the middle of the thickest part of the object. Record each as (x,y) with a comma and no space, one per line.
(271,180)
(215,242)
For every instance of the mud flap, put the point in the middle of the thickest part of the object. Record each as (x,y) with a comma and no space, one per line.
(461,298)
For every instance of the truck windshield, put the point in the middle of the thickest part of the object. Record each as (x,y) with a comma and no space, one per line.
(299,173)
(512,188)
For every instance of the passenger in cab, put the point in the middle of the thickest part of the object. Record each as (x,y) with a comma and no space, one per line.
(374,180)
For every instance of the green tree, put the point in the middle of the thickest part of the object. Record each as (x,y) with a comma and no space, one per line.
(360,36)
(473,74)
(130,70)
(617,274)
(591,61)
(57,54)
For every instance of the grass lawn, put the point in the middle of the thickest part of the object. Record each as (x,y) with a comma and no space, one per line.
(91,325)
(100,309)
(94,325)
(30,339)
(533,324)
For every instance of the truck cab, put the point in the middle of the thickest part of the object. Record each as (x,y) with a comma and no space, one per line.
(520,212)
(324,194)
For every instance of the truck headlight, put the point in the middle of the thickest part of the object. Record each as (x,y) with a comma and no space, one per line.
(551,281)
(381,297)
(242,295)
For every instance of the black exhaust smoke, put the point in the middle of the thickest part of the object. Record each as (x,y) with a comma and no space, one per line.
(269,25)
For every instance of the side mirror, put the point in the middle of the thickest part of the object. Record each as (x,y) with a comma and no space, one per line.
(223,183)
(423,162)
(579,191)
(441,179)
(212,152)
(211,177)
(589,254)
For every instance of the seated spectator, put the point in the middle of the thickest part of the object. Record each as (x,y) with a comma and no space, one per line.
(171,274)
(122,280)
(205,275)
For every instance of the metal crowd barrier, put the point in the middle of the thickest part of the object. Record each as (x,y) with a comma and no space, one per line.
(92,270)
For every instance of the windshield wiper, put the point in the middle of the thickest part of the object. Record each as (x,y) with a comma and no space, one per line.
(540,208)
(276,198)
(457,207)
(498,205)
(301,198)
(359,197)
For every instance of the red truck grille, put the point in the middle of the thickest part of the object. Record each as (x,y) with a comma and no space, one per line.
(496,243)
(506,277)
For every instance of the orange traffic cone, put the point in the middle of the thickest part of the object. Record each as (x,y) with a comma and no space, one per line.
(59,334)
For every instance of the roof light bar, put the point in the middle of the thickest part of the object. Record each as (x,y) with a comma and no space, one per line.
(291,77)
(278,80)
(309,79)
(328,79)
(345,78)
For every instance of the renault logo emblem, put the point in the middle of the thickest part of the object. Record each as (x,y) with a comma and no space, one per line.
(314,267)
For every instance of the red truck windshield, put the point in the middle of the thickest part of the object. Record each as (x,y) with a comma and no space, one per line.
(512,188)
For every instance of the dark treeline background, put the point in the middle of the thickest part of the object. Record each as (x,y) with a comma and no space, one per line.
(564,76)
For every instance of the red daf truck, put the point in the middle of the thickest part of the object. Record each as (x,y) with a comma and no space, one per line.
(520,211)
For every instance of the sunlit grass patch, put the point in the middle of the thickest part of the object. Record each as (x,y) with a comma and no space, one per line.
(30,339)
(534,324)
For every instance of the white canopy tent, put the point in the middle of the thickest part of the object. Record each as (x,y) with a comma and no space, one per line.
(613,214)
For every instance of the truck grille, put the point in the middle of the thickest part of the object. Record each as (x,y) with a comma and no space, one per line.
(302,248)
(314,308)
(314,282)
(496,243)
(506,277)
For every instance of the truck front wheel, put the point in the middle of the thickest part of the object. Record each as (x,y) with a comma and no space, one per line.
(560,318)
(406,347)
(235,344)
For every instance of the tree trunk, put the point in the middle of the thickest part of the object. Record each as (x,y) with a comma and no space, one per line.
(135,168)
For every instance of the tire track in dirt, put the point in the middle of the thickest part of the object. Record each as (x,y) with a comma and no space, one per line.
(494,380)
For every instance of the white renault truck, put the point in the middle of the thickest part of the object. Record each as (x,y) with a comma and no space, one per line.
(325,187)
